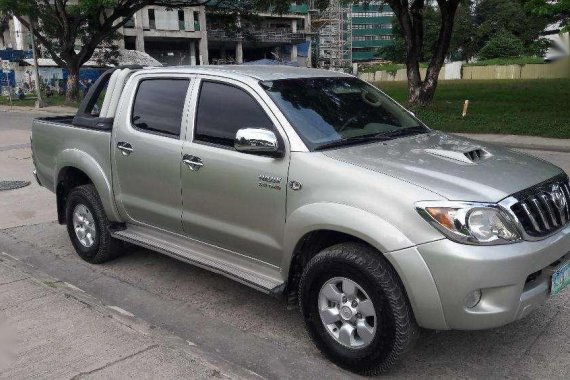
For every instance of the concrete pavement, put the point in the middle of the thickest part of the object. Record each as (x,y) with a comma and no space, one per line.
(30,204)
(54,330)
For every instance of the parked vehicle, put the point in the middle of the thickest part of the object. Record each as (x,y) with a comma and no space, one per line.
(316,187)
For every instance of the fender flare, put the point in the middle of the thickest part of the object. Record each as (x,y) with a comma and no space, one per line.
(80,160)
(350,220)
(391,242)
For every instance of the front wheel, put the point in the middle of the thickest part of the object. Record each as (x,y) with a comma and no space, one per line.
(356,309)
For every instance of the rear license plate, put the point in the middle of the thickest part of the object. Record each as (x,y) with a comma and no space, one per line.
(560,278)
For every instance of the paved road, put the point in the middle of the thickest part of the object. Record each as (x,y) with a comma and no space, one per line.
(258,332)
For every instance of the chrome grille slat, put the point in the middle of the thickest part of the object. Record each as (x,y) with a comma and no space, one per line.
(546,199)
(542,209)
(566,190)
(530,216)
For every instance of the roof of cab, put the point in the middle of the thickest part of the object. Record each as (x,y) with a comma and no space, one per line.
(260,72)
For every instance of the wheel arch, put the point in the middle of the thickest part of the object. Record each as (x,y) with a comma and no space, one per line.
(76,168)
(312,228)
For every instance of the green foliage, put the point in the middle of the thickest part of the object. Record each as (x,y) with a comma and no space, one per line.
(476,23)
(461,46)
(395,52)
(502,45)
(493,17)
(388,67)
(554,10)
(535,107)
(508,61)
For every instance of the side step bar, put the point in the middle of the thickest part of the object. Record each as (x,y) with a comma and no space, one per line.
(232,265)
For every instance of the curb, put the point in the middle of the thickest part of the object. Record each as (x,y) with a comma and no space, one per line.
(522,142)
(58,110)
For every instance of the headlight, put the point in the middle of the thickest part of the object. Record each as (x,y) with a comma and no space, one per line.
(470,223)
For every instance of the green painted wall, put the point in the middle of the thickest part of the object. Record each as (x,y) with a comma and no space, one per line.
(366,50)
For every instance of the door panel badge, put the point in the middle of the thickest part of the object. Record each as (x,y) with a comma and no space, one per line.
(269,182)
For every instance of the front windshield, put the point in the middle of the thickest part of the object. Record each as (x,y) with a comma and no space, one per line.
(331,110)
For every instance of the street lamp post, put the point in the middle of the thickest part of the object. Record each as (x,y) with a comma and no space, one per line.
(39,102)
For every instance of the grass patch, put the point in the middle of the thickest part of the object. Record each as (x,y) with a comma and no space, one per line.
(389,67)
(30,101)
(507,61)
(519,107)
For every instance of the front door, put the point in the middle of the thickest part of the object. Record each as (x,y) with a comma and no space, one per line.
(147,154)
(231,199)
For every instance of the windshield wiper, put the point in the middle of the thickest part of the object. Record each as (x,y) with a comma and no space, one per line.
(401,132)
(350,140)
(383,136)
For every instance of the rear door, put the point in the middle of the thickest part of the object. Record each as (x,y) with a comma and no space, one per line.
(233,200)
(147,148)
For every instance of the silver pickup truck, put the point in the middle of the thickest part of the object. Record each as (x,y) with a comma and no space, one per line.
(316,187)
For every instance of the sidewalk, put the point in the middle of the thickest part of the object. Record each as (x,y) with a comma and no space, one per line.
(55,110)
(522,142)
(58,331)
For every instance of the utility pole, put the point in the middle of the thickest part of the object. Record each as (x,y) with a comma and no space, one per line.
(39,102)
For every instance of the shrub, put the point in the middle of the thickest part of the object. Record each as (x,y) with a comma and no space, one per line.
(502,45)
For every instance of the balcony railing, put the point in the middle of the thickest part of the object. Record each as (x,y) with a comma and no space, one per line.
(256,35)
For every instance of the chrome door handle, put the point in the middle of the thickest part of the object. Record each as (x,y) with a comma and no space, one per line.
(193,162)
(125,148)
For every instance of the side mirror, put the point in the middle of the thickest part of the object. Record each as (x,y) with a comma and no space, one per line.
(257,141)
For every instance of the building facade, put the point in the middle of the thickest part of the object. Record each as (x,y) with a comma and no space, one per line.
(171,36)
(280,37)
(197,35)
(371,29)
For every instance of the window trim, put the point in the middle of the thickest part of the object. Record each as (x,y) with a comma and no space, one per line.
(182,121)
(196,103)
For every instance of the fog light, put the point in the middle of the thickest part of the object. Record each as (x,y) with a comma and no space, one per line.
(473,299)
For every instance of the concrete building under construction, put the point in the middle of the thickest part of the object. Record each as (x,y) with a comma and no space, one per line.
(281,37)
(332,31)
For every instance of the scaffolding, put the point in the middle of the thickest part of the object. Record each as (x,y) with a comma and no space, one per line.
(332,31)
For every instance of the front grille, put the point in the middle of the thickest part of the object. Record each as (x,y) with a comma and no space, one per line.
(545,208)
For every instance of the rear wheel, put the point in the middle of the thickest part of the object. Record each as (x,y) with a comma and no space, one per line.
(88,227)
(355,308)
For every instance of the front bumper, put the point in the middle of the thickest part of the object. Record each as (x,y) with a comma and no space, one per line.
(514,279)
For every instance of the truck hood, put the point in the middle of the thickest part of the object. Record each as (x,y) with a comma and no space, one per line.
(453,167)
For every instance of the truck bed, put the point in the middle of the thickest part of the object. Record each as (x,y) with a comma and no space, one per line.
(57,143)
(66,120)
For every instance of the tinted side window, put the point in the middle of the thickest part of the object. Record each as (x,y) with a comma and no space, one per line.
(159,104)
(223,109)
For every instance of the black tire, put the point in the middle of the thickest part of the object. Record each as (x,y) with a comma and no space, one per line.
(104,247)
(397,329)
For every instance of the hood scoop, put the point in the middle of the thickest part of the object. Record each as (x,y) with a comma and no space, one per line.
(468,157)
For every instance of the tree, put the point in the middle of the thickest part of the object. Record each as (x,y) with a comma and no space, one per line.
(71,30)
(556,11)
(502,45)
(460,47)
(492,17)
(411,17)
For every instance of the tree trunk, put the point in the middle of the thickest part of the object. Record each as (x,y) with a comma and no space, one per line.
(414,80)
(72,94)
(429,85)
(410,16)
